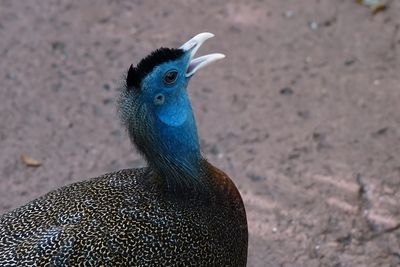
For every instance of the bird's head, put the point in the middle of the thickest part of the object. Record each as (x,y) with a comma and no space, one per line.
(155,105)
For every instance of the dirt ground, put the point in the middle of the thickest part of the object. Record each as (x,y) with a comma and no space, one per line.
(303,113)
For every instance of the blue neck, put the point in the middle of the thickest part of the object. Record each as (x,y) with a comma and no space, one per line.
(180,145)
(176,149)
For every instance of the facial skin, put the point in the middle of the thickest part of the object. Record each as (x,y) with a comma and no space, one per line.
(164,91)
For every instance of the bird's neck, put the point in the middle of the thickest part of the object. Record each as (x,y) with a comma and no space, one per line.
(175,154)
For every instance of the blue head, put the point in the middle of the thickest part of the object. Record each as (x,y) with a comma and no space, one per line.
(156,109)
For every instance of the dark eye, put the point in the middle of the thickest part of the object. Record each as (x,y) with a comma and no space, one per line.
(170,76)
(159,99)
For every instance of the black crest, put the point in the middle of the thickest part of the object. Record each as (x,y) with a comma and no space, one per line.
(147,64)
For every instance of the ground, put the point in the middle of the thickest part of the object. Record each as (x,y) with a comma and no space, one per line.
(303,113)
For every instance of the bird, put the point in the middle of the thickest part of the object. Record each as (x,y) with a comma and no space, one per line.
(178,210)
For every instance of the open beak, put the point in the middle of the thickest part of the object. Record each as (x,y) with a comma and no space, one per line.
(192,46)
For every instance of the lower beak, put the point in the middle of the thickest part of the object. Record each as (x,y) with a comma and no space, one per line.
(192,46)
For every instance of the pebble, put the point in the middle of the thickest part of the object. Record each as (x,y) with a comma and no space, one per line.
(286,91)
(313,25)
(289,13)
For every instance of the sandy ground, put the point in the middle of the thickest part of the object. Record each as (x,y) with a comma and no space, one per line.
(303,113)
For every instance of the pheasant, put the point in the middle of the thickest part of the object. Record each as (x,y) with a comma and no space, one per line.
(180,210)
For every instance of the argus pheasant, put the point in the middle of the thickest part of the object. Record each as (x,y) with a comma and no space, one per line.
(178,211)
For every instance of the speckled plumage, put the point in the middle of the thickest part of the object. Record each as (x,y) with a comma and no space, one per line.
(123,219)
(179,211)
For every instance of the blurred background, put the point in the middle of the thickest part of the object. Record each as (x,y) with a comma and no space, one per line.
(303,113)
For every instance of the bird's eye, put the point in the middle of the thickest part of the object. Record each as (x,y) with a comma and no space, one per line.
(159,99)
(170,77)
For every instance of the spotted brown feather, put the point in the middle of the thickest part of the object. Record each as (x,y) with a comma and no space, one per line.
(123,219)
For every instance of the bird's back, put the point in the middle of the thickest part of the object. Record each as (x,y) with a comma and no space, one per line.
(123,219)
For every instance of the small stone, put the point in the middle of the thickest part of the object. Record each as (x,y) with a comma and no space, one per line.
(293,156)
(274,230)
(305,114)
(329,22)
(256,178)
(58,45)
(286,91)
(289,13)
(11,76)
(313,25)
(349,62)
(381,131)
(345,240)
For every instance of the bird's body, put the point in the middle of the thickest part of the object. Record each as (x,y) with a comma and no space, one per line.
(123,219)
(179,211)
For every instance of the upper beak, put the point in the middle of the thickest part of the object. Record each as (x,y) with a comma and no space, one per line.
(192,46)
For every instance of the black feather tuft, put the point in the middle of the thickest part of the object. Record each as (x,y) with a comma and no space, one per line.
(147,64)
